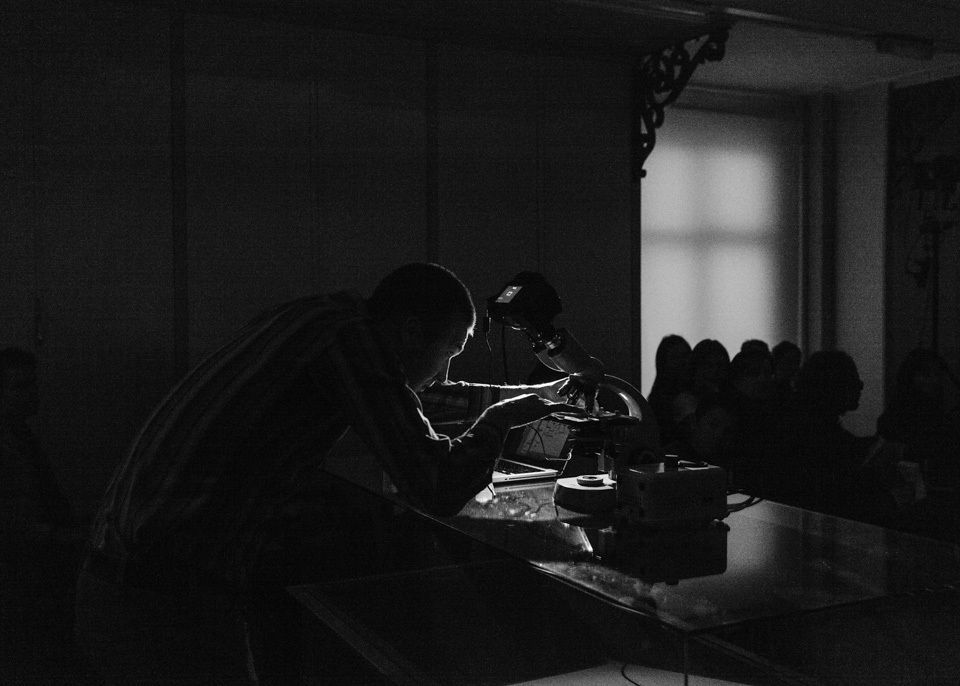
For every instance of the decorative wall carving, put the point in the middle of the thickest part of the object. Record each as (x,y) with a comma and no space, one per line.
(659,78)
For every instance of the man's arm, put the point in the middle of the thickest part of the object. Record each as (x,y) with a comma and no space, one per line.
(455,403)
(433,472)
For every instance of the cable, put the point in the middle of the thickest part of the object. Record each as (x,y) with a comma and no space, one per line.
(486,342)
(503,353)
(749,502)
(543,446)
(623,673)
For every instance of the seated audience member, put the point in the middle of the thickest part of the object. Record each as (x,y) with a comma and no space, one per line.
(750,374)
(755,344)
(923,416)
(917,415)
(823,466)
(787,360)
(711,367)
(673,376)
(708,434)
(196,498)
(749,391)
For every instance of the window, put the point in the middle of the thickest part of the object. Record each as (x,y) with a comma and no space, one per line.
(720,232)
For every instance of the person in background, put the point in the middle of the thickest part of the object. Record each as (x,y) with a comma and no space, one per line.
(918,416)
(194,501)
(755,344)
(750,376)
(748,390)
(922,414)
(674,375)
(787,360)
(710,364)
(709,433)
(711,367)
(825,467)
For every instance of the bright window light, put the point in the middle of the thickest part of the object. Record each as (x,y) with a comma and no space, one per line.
(720,231)
(738,192)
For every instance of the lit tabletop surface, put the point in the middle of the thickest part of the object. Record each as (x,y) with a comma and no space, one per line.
(466,599)
(769,561)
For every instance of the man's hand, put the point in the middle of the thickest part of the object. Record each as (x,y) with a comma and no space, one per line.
(549,391)
(523,409)
(571,390)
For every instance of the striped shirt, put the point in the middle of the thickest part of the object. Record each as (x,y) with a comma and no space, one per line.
(209,472)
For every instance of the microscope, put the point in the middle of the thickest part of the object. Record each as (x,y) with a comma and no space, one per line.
(632,480)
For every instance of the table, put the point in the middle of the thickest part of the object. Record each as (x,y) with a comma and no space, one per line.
(726,601)
(769,559)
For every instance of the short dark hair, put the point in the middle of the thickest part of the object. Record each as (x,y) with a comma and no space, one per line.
(667,343)
(784,348)
(827,380)
(755,344)
(707,347)
(749,363)
(425,290)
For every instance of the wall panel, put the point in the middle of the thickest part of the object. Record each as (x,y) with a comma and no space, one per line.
(103,232)
(534,175)
(488,224)
(251,220)
(861,176)
(371,129)
(586,207)
(19,201)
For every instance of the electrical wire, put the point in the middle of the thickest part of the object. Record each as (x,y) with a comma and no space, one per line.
(743,505)
(486,343)
(503,353)
(543,446)
(623,673)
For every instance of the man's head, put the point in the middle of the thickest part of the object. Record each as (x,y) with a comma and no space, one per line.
(429,314)
(19,396)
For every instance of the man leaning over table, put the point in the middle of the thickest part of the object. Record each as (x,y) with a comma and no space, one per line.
(195,497)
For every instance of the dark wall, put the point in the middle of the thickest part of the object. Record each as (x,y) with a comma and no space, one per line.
(923,224)
(86,251)
(169,176)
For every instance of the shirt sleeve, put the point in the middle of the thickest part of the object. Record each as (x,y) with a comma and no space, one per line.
(431,471)
(456,402)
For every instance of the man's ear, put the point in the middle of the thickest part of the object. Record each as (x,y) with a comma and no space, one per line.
(412,334)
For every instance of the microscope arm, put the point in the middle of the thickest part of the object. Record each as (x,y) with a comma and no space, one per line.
(562,352)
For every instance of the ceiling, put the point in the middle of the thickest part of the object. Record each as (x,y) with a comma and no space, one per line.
(773,54)
(788,46)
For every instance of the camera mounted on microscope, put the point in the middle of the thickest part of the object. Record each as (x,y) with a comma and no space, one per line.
(529,304)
